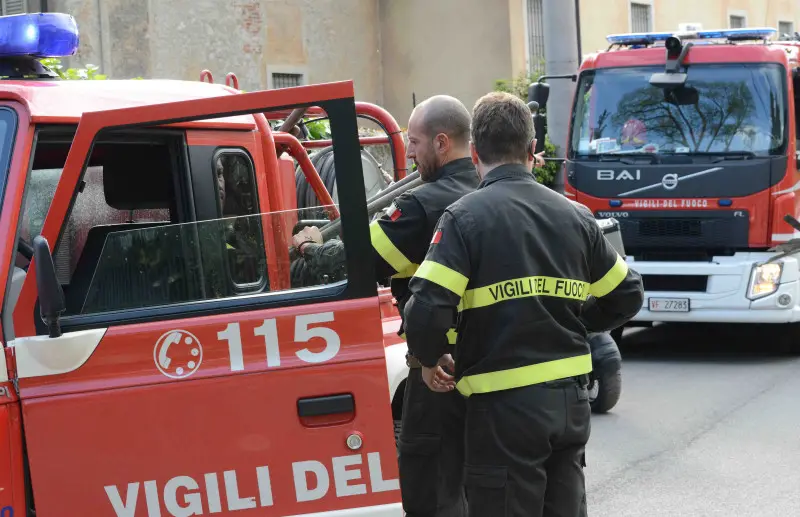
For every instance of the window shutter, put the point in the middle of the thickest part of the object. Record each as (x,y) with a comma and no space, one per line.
(15,7)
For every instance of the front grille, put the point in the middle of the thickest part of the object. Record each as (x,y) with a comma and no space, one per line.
(657,230)
(692,283)
(670,228)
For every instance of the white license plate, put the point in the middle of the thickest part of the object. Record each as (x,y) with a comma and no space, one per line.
(669,304)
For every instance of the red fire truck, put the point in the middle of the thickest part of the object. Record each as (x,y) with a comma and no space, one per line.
(689,140)
(159,357)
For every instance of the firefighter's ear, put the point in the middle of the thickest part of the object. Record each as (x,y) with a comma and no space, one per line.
(473,153)
(532,149)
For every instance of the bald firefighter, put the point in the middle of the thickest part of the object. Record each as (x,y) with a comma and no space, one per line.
(431,436)
(525,274)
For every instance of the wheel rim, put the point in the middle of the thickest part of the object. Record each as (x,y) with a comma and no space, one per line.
(594,390)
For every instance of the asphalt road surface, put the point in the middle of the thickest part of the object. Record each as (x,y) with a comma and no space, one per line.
(708,425)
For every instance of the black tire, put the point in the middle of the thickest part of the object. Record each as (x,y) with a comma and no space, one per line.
(609,390)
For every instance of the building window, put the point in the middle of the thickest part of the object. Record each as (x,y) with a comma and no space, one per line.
(14,7)
(785,28)
(286,80)
(535,16)
(737,21)
(641,17)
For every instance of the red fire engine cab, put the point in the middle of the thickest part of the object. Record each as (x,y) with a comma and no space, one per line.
(159,357)
(689,140)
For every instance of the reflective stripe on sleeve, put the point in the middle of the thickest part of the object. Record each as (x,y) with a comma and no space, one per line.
(443,276)
(408,272)
(610,280)
(386,248)
(525,375)
(524,288)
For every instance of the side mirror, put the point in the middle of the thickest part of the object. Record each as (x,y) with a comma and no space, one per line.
(668,79)
(51,296)
(539,93)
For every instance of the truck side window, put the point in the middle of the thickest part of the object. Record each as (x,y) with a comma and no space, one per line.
(244,239)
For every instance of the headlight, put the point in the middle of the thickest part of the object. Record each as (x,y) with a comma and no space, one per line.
(764,280)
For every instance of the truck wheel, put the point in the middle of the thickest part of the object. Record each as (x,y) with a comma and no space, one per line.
(604,391)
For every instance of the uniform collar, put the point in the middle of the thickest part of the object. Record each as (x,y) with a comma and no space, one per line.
(453,167)
(502,172)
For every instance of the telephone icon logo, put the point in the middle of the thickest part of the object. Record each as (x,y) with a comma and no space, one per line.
(178,354)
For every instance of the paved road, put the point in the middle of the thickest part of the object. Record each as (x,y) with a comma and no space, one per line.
(708,425)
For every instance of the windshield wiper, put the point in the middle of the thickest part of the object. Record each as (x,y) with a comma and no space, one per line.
(717,156)
(630,157)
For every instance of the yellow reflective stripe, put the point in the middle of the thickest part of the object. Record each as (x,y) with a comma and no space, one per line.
(408,272)
(443,276)
(386,248)
(524,288)
(452,336)
(525,375)
(610,280)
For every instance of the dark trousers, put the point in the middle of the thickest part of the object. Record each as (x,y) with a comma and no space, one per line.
(525,451)
(432,451)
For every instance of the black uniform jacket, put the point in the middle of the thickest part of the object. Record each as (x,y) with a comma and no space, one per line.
(525,274)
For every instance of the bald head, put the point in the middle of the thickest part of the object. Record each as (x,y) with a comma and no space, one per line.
(438,133)
(445,114)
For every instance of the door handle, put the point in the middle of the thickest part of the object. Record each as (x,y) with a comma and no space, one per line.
(327,405)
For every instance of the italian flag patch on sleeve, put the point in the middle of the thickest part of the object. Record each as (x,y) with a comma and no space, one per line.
(437,236)
(394,213)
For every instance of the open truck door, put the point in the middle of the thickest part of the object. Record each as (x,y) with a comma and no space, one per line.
(161,393)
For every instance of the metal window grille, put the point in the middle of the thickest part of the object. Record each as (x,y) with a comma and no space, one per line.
(737,22)
(286,80)
(536,58)
(641,18)
(786,28)
(14,6)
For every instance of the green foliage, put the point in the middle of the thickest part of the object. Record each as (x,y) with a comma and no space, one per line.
(88,73)
(519,86)
(319,129)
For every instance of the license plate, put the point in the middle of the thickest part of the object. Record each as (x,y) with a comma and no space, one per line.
(669,304)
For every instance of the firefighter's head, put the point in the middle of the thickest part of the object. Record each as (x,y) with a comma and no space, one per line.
(438,133)
(502,132)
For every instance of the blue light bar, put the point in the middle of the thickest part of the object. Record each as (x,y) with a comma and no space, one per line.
(613,203)
(38,35)
(640,38)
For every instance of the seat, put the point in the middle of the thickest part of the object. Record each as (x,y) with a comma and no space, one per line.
(77,291)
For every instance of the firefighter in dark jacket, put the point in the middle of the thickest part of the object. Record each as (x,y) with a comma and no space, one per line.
(431,436)
(525,274)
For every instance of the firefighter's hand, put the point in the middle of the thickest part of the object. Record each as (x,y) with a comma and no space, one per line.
(538,160)
(437,379)
(307,234)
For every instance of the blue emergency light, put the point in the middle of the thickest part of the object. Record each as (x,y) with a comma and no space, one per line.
(640,38)
(38,35)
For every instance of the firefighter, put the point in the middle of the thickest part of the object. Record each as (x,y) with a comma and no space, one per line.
(525,275)
(431,435)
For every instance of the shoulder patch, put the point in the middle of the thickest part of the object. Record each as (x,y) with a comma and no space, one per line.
(393,212)
(437,236)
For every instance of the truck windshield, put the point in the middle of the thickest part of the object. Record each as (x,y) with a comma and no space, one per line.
(722,108)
